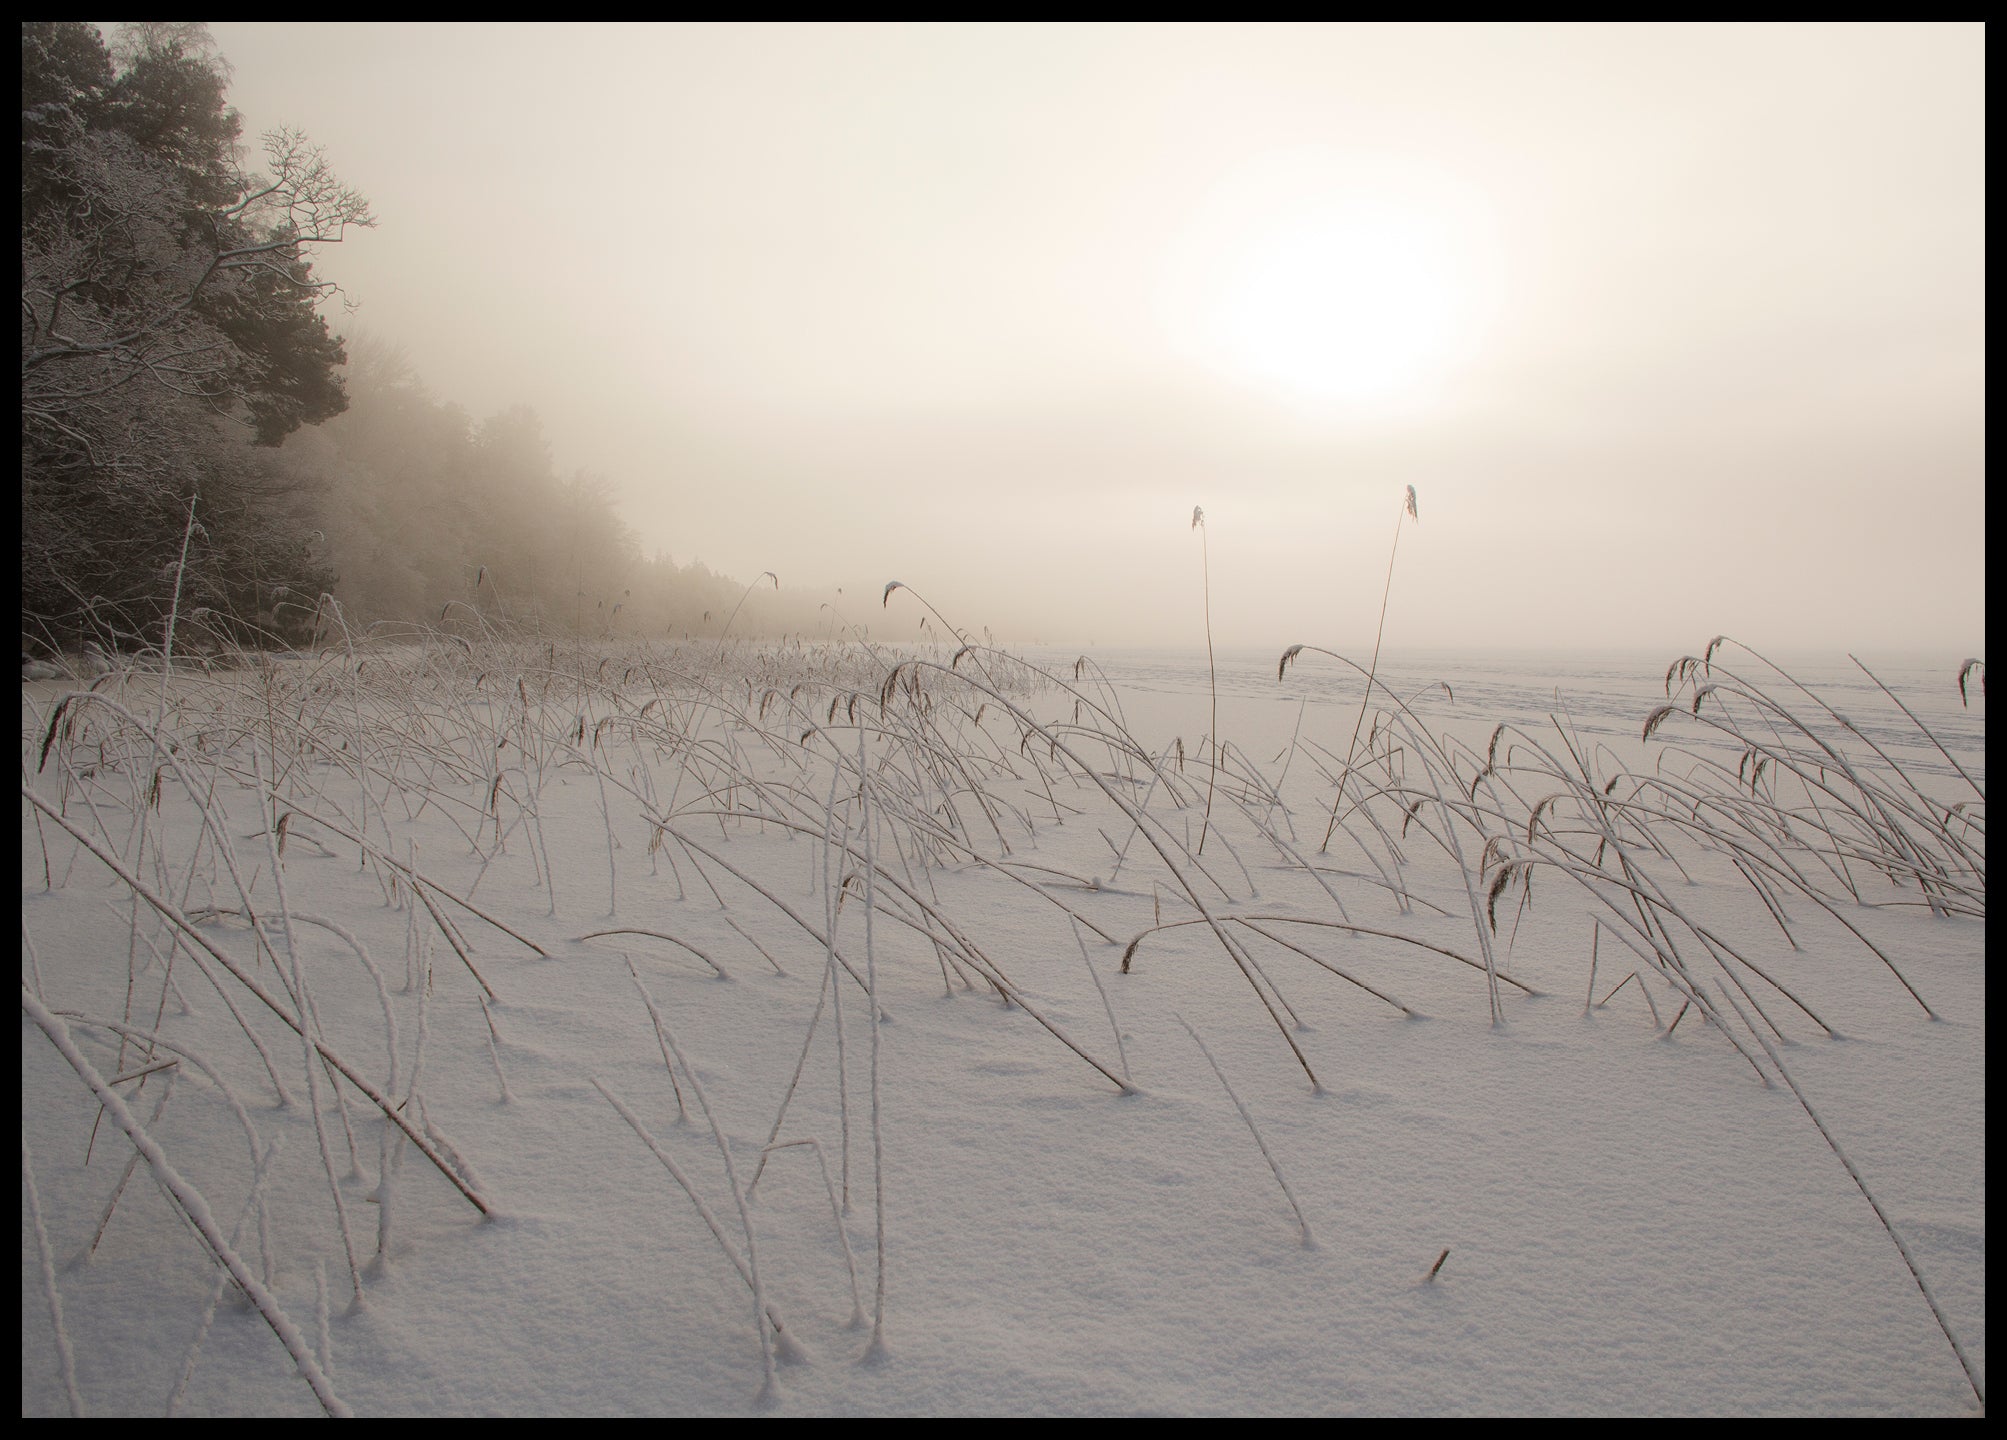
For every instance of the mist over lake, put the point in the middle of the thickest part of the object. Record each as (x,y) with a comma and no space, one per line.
(1003,719)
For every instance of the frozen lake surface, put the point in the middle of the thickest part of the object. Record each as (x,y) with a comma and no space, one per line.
(1172,1108)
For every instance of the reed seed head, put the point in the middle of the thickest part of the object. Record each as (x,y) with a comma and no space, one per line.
(1966,669)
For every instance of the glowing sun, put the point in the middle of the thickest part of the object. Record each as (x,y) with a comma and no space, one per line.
(1337,285)
(1354,305)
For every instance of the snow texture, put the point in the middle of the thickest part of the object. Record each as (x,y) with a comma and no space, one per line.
(1642,1215)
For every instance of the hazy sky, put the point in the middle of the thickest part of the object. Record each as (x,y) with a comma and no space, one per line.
(1675,330)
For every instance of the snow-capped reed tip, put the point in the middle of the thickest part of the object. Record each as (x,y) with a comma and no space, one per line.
(1966,669)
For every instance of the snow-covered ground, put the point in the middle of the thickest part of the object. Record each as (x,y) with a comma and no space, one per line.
(1081,1165)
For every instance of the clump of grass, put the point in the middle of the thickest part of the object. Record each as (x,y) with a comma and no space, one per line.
(934,776)
(1848,811)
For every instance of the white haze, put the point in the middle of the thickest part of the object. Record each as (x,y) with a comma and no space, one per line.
(862,303)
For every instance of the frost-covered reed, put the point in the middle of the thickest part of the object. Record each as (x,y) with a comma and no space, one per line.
(897,772)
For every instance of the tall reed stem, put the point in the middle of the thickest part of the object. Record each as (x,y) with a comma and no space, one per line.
(1407,508)
(1212,673)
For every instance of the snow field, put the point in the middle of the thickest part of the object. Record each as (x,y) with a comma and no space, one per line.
(1637,1221)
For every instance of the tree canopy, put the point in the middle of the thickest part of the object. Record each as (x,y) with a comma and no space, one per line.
(178,377)
(169,314)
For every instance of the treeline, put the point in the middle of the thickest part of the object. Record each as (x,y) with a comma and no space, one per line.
(198,446)
(430,517)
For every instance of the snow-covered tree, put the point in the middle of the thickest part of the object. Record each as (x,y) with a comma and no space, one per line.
(170,319)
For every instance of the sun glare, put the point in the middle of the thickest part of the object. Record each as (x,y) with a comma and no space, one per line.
(1351,306)
(1327,283)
